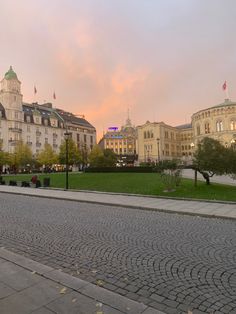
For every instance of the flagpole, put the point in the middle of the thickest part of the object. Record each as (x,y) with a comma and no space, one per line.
(227,93)
(225,89)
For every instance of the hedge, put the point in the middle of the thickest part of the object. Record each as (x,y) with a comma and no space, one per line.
(120,169)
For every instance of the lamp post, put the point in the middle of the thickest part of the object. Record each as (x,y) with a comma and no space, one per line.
(67,135)
(195,170)
(158,149)
(233,142)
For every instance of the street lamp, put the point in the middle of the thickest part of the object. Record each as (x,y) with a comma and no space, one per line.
(233,143)
(67,136)
(195,170)
(158,149)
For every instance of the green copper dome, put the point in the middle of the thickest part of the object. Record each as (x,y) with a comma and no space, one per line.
(10,74)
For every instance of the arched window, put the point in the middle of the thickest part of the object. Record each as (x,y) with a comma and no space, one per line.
(219,126)
(198,130)
(233,125)
(207,128)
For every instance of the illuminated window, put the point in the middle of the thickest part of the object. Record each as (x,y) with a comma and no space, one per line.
(219,126)
(233,125)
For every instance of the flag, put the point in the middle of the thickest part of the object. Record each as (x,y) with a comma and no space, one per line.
(35,90)
(54,95)
(224,87)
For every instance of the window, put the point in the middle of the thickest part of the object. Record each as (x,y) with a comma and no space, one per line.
(78,137)
(219,126)
(233,125)
(28,120)
(91,139)
(85,138)
(207,128)
(198,130)
(46,122)
(145,134)
(166,134)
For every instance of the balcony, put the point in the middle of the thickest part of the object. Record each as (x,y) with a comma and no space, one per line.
(55,145)
(18,130)
(38,133)
(29,143)
(13,142)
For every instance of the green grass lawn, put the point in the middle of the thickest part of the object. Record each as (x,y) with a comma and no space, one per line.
(137,183)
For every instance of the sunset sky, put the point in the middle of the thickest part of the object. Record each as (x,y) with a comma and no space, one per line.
(162,59)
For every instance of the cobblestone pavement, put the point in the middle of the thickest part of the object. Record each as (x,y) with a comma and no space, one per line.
(167,261)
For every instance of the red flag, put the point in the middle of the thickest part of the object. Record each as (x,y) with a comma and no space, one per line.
(224,86)
(54,95)
(35,90)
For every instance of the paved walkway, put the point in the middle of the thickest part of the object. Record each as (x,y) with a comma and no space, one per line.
(191,207)
(189,173)
(27,287)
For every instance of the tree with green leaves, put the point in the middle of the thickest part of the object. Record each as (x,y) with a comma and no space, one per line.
(110,158)
(74,155)
(22,157)
(96,157)
(211,158)
(47,156)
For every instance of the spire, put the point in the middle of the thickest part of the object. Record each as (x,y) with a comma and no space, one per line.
(128,121)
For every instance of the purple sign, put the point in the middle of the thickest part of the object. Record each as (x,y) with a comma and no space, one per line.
(113,128)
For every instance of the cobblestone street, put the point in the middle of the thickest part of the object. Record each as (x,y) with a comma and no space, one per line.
(167,261)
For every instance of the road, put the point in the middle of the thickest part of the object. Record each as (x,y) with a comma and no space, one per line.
(168,261)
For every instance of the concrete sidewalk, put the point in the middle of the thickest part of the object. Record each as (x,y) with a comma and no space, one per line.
(27,287)
(190,207)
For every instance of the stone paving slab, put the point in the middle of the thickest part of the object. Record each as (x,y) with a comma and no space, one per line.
(198,207)
(56,292)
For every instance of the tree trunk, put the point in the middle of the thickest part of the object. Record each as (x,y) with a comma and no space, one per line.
(206,177)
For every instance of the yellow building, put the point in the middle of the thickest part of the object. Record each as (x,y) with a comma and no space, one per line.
(218,122)
(122,142)
(159,141)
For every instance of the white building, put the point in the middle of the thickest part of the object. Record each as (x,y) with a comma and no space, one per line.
(37,124)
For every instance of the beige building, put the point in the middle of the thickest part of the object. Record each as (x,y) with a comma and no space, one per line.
(159,141)
(37,124)
(122,142)
(218,122)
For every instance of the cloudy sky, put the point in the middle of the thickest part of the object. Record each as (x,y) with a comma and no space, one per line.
(162,59)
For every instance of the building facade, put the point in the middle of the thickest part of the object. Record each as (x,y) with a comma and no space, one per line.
(122,142)
(37,124)
(218,122)
(159,141)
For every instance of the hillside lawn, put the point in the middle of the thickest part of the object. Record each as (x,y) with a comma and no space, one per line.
(134,183)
